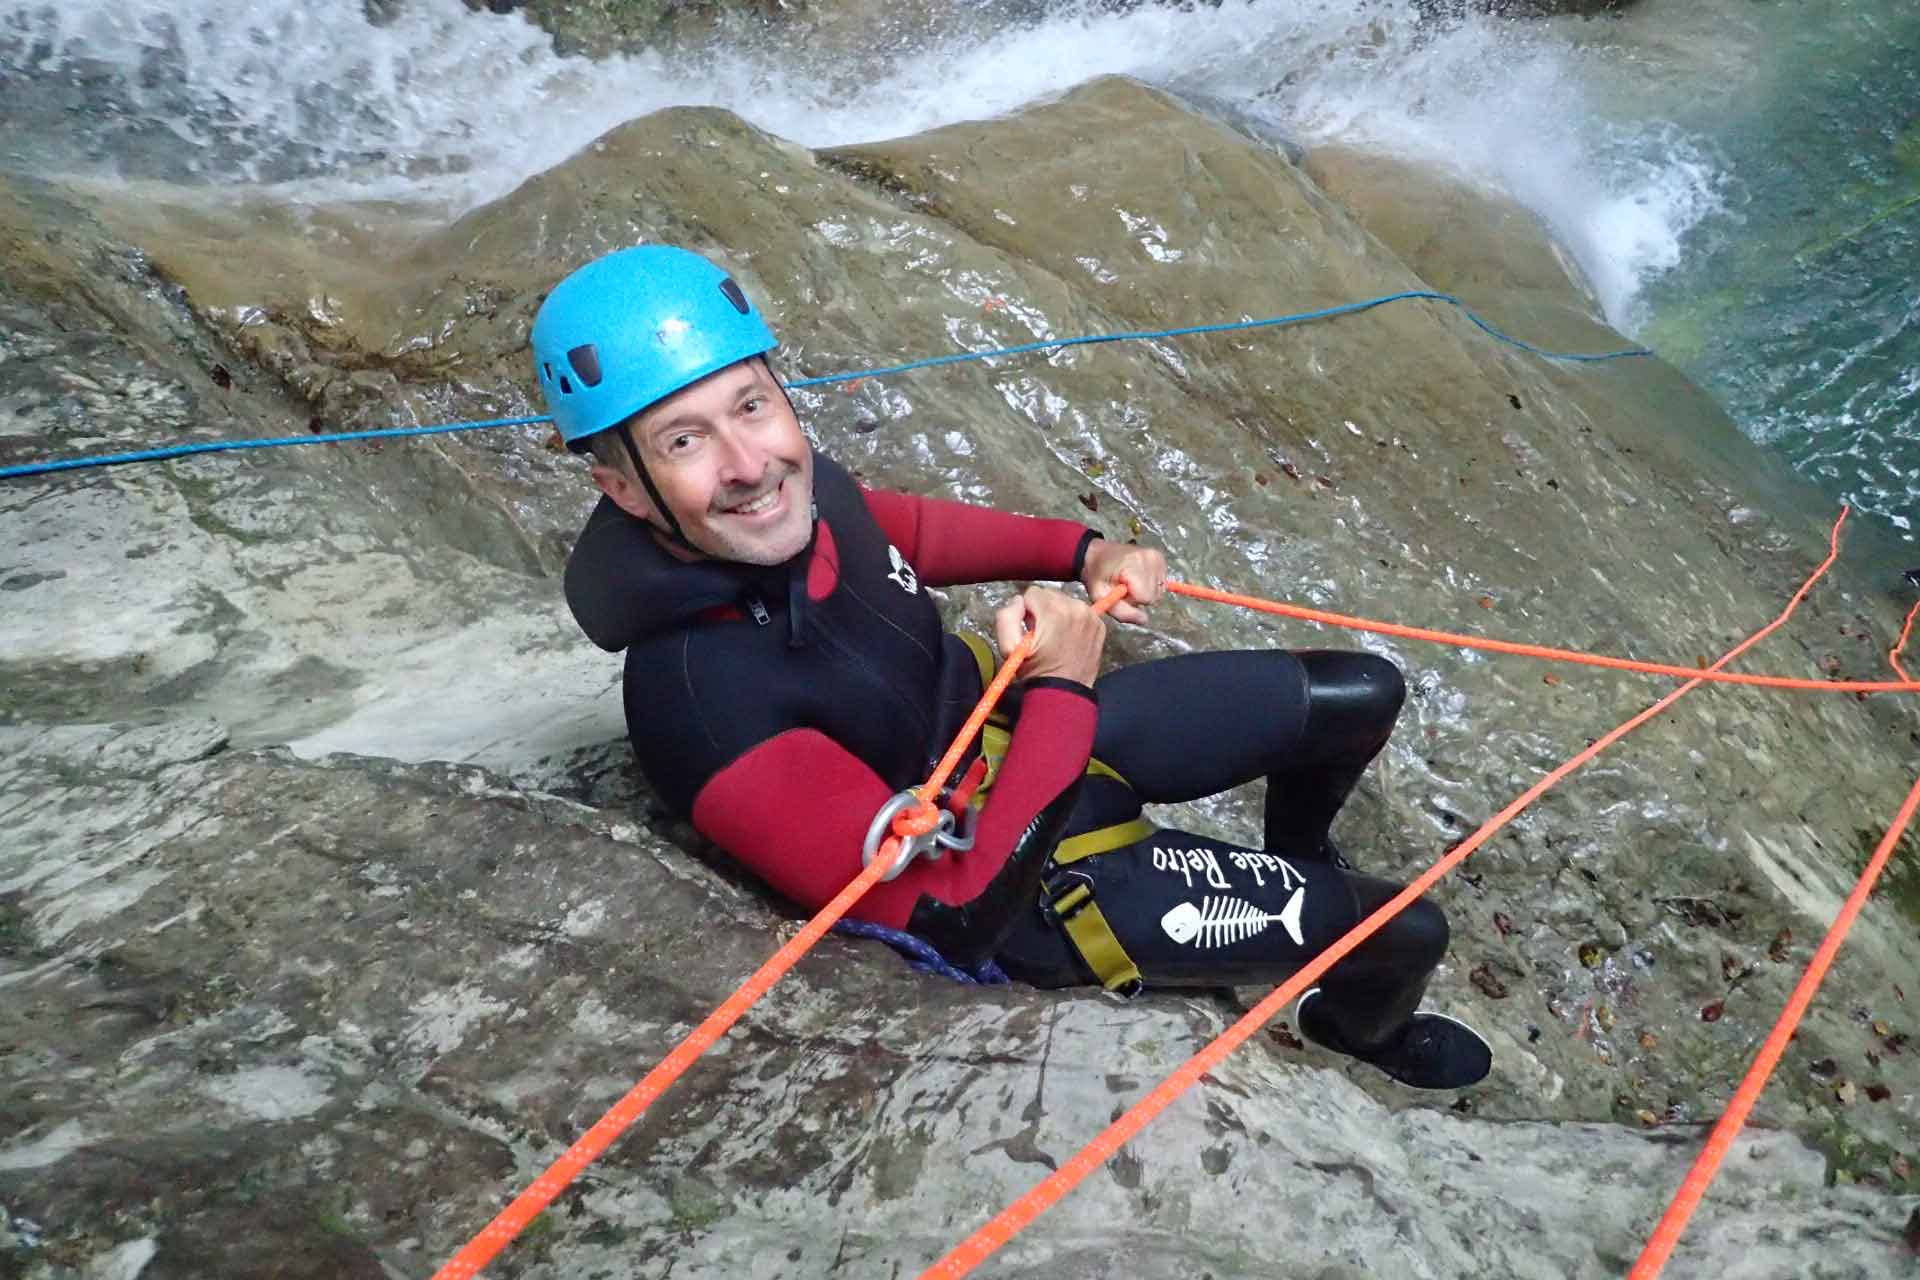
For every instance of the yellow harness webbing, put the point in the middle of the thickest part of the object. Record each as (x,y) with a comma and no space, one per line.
(1070,903)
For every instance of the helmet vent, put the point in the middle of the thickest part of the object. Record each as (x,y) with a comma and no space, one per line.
(566,388)
(548,370)
(586,362)
(735,296)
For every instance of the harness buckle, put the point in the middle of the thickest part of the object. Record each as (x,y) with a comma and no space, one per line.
(1064,897)
(929,845)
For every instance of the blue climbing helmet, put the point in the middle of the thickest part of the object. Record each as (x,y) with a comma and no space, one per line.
(630,329)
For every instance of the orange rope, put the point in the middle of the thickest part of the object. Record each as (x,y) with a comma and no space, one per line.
(1666,1234)
(1903,685)
(513,1219)
(1893,654)
(1687,1199)
(921,820)
(983,1243)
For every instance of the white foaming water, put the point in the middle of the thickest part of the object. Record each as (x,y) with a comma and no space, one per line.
(447,105)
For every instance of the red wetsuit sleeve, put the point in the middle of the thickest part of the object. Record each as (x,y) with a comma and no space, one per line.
(949,543)
(795,810)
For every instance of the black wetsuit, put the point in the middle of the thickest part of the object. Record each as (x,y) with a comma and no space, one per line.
(779,707)
(1192,910)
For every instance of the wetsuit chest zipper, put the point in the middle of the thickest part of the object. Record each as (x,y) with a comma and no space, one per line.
(852,657)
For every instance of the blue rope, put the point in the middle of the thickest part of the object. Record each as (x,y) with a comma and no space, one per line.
(220,446)
(921,955)
(1274,322)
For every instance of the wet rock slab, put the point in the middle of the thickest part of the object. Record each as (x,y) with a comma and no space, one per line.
(271,1016)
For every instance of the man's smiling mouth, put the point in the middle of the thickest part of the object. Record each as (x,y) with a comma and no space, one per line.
(757,505)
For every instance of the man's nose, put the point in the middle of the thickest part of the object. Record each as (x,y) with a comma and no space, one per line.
(742,462)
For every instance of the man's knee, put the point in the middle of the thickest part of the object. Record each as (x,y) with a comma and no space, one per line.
(1417,937)
(1421,934)
(1351,693)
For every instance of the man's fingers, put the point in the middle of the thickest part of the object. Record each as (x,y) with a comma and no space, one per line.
(1010,624)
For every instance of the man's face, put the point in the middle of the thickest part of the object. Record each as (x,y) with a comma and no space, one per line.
(731,463)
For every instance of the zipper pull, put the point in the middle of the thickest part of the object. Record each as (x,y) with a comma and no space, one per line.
(758,610)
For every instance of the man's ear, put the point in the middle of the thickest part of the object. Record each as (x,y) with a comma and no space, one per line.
(626,492)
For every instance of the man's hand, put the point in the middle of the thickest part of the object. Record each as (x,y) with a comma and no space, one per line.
(1142,569)
(1067,634)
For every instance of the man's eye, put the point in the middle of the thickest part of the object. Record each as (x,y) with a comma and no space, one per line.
(680,443)
(754,404)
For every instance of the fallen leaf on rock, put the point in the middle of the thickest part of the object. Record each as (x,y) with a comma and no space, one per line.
(1285,1037)
(1488,983)
(1604,1016)
(1646,1117)
(1712,1012)
(1591,955)
(1879,1092)
(1881,1029)
(1844,1093)
(1091,501)
(221,378)
(1550,679)
(1781,946)
(1292,472)
(1649,1041)
(1486,602)
(1504,923)
(1261,478)
(1324,482)
(1133,525)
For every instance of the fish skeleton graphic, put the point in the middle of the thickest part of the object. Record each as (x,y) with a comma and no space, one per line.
(1219,922)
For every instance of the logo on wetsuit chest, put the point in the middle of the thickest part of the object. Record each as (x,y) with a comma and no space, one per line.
(902,571)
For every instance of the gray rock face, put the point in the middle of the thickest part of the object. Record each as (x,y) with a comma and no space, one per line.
(330,911)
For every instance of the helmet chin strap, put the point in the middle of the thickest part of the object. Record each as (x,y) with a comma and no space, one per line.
(813,508)
(673,529)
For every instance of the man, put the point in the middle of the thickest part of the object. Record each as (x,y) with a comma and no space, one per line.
(786,675)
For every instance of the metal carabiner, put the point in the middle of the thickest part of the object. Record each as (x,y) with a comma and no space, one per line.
(928,845)
(960,837)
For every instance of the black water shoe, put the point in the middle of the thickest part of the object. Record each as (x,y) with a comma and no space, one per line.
(1434,1052)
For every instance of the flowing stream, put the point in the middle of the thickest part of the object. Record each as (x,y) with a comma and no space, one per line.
(1739,178)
